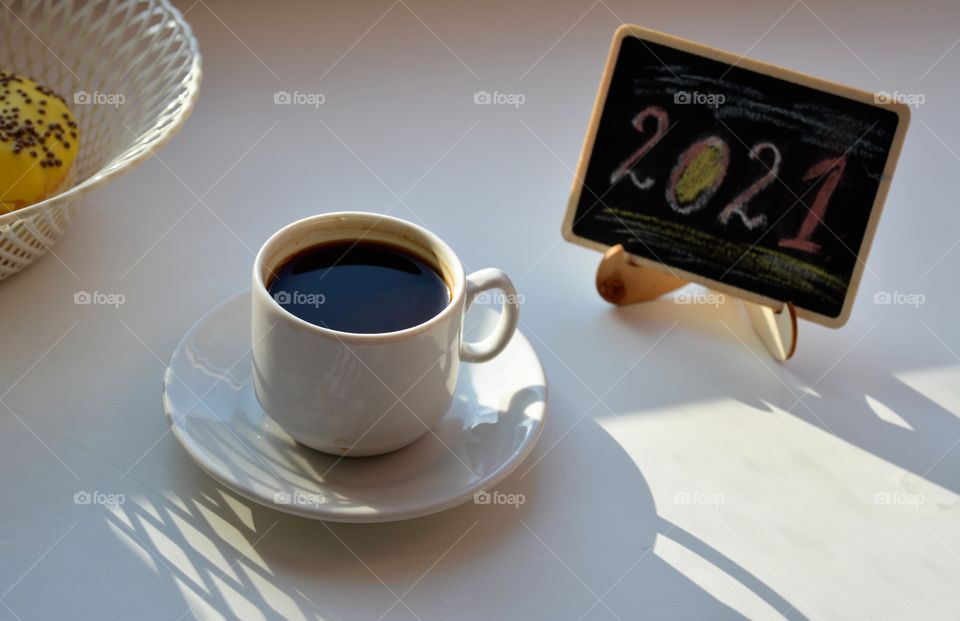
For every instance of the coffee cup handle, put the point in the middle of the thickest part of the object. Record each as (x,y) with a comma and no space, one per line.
(494,343)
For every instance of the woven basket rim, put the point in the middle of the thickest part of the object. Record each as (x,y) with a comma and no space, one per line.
(192,81)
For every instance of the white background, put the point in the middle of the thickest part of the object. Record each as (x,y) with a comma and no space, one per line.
(682,472)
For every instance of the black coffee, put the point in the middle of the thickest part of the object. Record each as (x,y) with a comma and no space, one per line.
(363,287)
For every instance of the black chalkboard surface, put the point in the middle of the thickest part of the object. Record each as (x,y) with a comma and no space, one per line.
(743,176)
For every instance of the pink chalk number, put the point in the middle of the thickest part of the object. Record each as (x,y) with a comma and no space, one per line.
(738,206)
(833,170)
(626,168)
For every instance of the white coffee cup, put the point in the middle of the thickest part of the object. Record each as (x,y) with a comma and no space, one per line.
(365,394)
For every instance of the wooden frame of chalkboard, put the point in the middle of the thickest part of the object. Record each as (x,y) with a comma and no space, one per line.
(752,179)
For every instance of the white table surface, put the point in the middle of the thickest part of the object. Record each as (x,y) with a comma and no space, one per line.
(682,473)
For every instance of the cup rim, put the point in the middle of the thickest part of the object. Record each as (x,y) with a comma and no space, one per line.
(442,253)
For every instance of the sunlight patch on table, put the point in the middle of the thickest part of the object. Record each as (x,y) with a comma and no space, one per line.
(231,535)
(200,543)
(938,384)
(241,510)
(172,553)
(887,415)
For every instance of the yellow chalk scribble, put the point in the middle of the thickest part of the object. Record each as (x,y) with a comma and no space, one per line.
(701,174)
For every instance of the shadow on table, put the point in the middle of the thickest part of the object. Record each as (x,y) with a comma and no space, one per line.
(228,556)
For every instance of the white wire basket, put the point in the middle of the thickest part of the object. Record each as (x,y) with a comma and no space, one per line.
(130,72)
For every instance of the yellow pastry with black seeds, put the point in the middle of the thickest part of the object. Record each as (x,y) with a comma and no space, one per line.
(39,141)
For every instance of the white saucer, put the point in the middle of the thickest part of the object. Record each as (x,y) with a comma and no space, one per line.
(496,418)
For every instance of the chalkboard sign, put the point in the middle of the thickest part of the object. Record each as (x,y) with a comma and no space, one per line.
(743,176)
